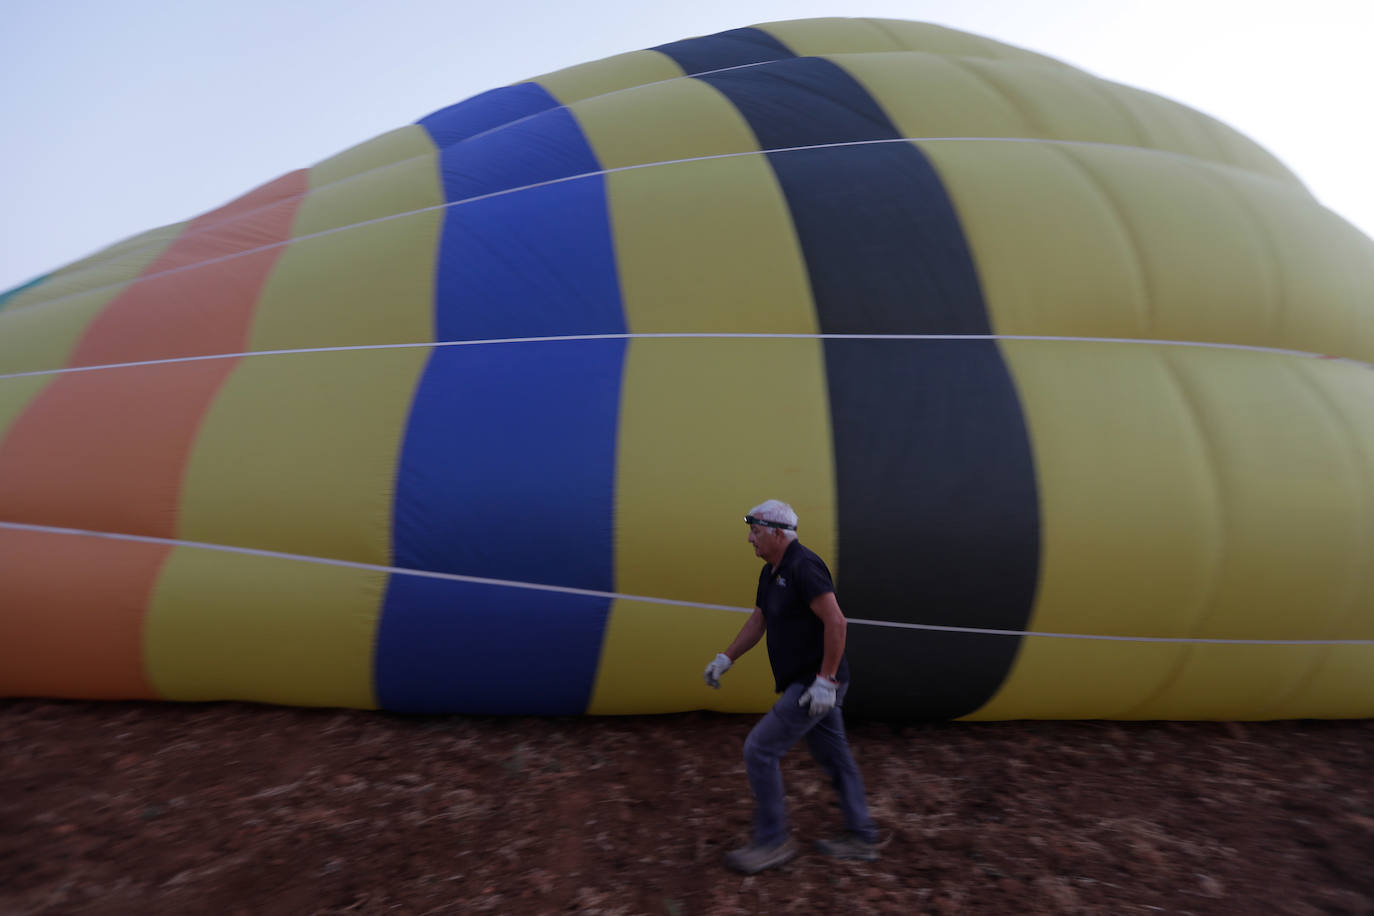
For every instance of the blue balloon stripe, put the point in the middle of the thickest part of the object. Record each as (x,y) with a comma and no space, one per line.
(508,472)
(480,113)
(493,429)
(536,264)
(508,465)
(446,647)
(545,147)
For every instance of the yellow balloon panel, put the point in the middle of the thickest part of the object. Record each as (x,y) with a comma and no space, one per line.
(1183,516)
(1168,126)
(622,71)
(373,284)
(38,338)
(662,122)
(104,272)
(683,419)
(653,658)
(1232,682)
(843,36)
(1333,686)
(298,454)
(1321,268)
(728,213)
(954,101)
(867,35)
(1079,242)
(1131,520)
(393,147)
(387,190)
(216,628)
(1070,678)
(1293,497)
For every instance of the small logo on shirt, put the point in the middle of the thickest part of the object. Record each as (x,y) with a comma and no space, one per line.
(782,582)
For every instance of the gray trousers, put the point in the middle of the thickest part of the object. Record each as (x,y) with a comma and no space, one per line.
(773,736)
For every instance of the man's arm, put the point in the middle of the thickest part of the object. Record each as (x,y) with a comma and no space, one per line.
(828,610)
(748,637)
(749,634)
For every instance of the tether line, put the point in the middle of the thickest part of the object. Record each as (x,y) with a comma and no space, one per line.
(685,335)
(649,599)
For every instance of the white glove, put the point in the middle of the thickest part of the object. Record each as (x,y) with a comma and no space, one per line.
(820,696)
(719,665)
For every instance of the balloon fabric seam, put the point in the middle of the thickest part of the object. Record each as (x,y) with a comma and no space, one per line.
(602,172)
(650,599)
(561,107)
(575,338)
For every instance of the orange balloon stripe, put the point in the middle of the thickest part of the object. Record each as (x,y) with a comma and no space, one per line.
(183,306)
(74,607)
(108,451)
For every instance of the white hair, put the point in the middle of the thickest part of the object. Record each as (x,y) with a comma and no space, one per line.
(774,510)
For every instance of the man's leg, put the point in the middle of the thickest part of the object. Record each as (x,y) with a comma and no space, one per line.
(774,734)
(830,747)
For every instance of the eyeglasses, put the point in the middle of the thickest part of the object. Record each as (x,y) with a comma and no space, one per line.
(751,520)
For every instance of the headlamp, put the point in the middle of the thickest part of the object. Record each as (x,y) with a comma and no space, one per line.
(751,520)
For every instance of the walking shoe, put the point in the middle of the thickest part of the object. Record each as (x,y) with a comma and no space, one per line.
(752,859)
(849,847)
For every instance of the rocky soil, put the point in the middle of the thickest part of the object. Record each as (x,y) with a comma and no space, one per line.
(240,809)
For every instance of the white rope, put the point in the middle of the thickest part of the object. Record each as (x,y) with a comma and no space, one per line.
(687,76)
(646,599)
(582,175)
(572,338)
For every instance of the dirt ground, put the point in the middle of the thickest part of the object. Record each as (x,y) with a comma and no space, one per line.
(239,809)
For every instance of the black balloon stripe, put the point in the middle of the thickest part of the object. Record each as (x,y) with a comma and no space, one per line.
(937,501)
(734,48)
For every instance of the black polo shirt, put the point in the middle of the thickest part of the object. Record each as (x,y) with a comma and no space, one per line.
(796,636)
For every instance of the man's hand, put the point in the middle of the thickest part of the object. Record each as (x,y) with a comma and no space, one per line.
(820,696)
(719,665)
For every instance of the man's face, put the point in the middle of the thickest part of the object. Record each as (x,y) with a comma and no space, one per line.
(762,538)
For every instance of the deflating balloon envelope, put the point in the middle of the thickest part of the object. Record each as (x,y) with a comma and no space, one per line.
(464,418)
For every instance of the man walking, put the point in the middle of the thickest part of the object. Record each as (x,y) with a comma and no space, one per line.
(795,606)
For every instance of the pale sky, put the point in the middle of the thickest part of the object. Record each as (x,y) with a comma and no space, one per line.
(123,116)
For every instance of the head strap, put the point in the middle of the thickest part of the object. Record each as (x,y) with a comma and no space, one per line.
(753,520)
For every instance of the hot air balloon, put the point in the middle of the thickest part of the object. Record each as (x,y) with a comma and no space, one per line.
(1069,382)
